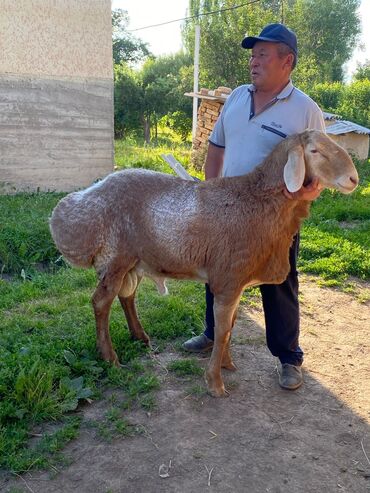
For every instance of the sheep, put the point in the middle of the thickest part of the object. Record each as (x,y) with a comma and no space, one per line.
(229,232)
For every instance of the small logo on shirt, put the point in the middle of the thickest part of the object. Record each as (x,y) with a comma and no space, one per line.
(277,125)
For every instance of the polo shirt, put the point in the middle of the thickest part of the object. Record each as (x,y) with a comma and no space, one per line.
(249,139)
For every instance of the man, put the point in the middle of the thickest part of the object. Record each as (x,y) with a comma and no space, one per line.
(254,120)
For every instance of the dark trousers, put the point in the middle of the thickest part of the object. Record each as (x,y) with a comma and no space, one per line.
(281,308)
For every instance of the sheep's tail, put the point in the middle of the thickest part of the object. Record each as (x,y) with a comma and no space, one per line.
(75,234)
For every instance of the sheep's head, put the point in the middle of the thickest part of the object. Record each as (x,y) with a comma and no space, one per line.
(318,156)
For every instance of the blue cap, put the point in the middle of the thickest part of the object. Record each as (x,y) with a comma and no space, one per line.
(275,33)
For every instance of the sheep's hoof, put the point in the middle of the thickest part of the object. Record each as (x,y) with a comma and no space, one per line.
(229,366)
(144,338)
(115,361)
(111,358)
(218,392)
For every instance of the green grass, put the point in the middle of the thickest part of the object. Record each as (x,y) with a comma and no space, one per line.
(48,360)
(185,367)
(130,154)
(24,232)
(335,238)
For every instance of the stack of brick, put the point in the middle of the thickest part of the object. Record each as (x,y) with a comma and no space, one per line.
(209,110)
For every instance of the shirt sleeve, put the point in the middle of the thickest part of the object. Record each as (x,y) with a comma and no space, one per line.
(316,120)
(217,136)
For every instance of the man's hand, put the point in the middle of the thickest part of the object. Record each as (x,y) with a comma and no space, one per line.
(309,192)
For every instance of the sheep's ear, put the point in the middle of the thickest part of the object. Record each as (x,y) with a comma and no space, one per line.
(295,169)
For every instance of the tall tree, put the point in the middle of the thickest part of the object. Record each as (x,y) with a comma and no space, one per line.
(126,47)
(128,100)
(327,31)
(143,96)
(163,85)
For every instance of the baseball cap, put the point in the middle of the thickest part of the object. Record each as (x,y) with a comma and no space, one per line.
(276,33)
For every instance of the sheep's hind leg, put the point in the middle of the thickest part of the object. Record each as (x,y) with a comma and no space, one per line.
(128,304)
(102,300)
(224,316)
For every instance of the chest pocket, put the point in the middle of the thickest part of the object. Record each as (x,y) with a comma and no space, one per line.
(266,128)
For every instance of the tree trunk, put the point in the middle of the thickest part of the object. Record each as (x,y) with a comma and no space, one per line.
(147,130)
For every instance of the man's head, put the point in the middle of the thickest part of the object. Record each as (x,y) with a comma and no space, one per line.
(276,33)
(274,54)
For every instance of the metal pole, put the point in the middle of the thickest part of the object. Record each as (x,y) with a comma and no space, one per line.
(196,78)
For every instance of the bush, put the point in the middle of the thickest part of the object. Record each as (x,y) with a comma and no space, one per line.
(351,101)
(328,95)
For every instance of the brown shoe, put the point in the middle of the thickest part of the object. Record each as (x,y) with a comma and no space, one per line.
(290,376)
(198,344)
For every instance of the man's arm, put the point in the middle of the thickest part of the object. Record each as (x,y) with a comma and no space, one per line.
(214,161)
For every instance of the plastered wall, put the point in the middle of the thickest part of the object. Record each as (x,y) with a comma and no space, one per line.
(59,38)
(56,94)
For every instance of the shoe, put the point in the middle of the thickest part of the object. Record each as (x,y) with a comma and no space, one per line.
(198,344)
(290,376)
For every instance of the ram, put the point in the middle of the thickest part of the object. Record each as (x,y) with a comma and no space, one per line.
(229,232)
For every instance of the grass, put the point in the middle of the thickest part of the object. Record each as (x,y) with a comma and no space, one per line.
(335,239)
(48,361)
(185,367)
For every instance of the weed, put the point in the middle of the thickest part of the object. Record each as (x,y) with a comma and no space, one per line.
(185,367)
(147,402)
(197,391)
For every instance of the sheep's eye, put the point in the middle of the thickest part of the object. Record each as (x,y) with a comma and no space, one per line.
(314,151)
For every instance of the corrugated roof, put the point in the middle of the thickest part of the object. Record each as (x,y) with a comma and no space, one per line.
(330,116)
(345,127)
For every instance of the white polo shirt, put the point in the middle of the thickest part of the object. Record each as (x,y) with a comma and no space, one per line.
(248,139)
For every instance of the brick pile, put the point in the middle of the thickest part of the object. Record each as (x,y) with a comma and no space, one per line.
(209,110)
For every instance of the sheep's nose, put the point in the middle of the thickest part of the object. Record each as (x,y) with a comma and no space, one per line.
(354,180)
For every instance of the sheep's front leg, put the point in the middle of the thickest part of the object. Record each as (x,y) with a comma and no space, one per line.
(227,361)
(224,316)
(128,304)
(102,300)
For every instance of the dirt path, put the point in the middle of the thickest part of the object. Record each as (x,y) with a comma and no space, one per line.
(261,439)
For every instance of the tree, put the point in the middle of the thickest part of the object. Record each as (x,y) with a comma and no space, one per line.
(327,31)
(126,47)
(362,71)
(128,100)
(163,85)
(143,96)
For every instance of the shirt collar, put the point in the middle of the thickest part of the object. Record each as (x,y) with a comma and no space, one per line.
(285,93)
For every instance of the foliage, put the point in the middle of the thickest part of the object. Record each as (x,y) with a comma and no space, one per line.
(328,29)
(128,100)
(350,101)
(144,96)
(355,103)
(179,122)
(362,71)
(328,95)
(322,51)
(126,47)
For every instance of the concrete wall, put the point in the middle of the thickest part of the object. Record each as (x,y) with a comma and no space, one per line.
(56,94)
(356,144)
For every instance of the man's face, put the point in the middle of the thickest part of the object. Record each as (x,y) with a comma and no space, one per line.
(267,69)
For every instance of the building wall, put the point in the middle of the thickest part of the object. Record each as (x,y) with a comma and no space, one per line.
(56,94)
(356,144)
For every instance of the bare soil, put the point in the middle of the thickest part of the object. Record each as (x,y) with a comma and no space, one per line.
(259,439)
